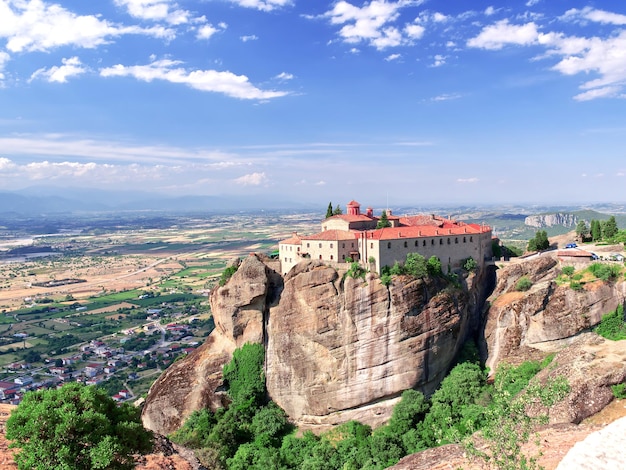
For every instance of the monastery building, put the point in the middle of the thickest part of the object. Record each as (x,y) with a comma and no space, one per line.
(354,236)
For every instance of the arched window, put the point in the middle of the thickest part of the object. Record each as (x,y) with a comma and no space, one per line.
(406,244)
(464,239)
(320,245)
(448,241)
(456,240)
(471,239)
(441,241)
(432,241)
(308,245)
(343,257)
(388,245)
(372,245)
(424,243)
(343,245)
(331,257)
(416,243)
(320,256)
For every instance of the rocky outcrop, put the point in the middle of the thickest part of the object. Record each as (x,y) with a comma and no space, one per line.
(341,349)
(337,348)
(546,317)
(563,219)
(239,309)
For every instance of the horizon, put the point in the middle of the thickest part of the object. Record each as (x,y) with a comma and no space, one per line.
(429,102)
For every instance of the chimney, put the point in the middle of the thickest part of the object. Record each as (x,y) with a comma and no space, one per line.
(370,212)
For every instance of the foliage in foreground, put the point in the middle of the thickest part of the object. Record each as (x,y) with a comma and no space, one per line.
(255,434)
(75,427)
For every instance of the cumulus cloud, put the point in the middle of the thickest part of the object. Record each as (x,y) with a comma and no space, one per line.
(392,57)
(207,30)
(71,67)
(236,86)
(263,5)
(33,25)
(503,33)
(251,37)
(439,60)
(156,10)
(253,179)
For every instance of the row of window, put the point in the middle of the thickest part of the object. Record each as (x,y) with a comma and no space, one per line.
(432,242)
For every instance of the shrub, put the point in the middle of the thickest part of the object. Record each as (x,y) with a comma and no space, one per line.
(227,274)
(619,390)
(244,374)
(605,272)
(575,285)
(470,264)
(433,265)
(385,279)
(568,270)
(612,325)
(356,271)
(523,284)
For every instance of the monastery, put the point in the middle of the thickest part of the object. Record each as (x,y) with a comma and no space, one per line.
(354,237)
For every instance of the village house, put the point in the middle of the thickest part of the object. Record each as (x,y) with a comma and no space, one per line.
(354,237)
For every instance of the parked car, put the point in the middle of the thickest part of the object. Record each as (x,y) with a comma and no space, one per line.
(571,245)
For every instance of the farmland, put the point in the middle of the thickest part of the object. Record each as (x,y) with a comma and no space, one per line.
(114,301)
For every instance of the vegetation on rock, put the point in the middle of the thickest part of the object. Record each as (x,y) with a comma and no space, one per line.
(612,325)
(227,274)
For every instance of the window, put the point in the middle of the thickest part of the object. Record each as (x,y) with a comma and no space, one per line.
(388,245)
(291,248)
(320,256)
(372,245)
(471,239)
(464,239)
(285,259)
(343,257)
(320,245)
(441,241)
(331,245)
(432,242)
(352,245)
(448,241)
(416,243)
(331,257)
(308,245)
(298,250)
(343,245)
(424,243)
(456,240)
(406,244)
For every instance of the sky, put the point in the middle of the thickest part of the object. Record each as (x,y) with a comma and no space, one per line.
(396,102)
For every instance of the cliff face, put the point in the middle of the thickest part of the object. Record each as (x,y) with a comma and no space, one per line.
(550,220)
(336,349)
(341,349)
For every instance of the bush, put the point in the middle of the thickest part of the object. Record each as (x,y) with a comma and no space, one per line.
(612,325)
(523,284)
(575,285)
(356,271)
(244,375)
(619,391)
(605,272)
(568,270)
(75,427)
(470,265)
(227,274)
(433,266)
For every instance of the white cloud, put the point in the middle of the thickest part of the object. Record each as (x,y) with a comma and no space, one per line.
(32,25)
(446,97)
(253,179)
(591,14)
(440,17)
(320,183)
(392,57)
(490,10)
(284,76)
(6,164)
(467,180)
(251,37)
(4,58)
(207,30)
(531,3)
(414,31)
(263,5)
(502,33)
(71,67)
(156,10)
(236,86)
(439,60)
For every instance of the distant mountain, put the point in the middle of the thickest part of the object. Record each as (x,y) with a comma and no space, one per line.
(51,200)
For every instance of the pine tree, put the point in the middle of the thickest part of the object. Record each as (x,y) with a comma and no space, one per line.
(329,211)
(596,230)
(337,210)
(610,228)
(582,231)
(383,221)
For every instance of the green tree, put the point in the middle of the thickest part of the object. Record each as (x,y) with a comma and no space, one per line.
(329,211)
(582,230)
(383,222)
(337,210)
(610,228)
(75,427)
(415,265)
(596,230)
(433,265)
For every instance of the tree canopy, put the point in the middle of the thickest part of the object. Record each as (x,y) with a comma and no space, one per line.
(75,427)
(383,221)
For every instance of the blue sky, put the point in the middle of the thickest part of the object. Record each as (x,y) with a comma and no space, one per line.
(415,102)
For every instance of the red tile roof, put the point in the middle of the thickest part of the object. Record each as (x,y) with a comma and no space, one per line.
(353,218)
(574,253)
(333,235)
(395,233)
(294,240)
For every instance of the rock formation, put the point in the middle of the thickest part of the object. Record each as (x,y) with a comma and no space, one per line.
(337,348)
(550,220)
(546,317)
